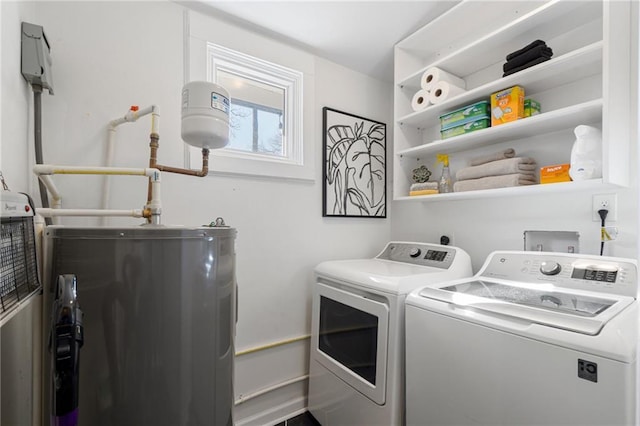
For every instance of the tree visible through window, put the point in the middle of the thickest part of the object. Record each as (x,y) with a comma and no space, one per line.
(255,128)
(265,115)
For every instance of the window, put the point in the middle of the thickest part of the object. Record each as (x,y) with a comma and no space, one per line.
(265,117)
(255,126)
(273,124)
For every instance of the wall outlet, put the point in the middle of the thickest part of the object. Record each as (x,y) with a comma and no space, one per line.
(447,238)
(607,202)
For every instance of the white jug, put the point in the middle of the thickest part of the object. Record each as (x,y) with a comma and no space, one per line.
(586,154)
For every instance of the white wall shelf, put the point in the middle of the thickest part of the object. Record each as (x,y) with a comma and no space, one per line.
(548,75)
(585,82)
(546,22)
(528,190)
(549,122)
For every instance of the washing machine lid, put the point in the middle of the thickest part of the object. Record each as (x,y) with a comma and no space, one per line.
(577,311)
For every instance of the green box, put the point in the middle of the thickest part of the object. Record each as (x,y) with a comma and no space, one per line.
(531,107)
(465,114)
(465,128)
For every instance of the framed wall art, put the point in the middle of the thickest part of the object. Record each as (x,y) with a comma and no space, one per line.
(354,165)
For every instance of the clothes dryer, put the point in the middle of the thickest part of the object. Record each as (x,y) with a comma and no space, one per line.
(533,339)
(357,338)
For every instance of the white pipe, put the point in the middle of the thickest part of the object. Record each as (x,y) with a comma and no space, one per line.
(129,117)
(132,116)
(155,120)
(155,205)
(272,345)
(89,212)
(50,169)
(154,110)
(247,397)
(106,187)
(56,198)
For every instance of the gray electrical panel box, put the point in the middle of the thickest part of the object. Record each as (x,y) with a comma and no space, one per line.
(36,60)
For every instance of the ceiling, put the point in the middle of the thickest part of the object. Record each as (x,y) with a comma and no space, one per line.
(356,34)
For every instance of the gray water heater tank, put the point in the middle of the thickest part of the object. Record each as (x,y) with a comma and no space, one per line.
(159,309)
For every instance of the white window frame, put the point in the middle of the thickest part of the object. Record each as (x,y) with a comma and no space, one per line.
(287,79)
(201,29)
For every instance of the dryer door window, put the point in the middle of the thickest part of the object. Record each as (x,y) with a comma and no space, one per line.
(349,335)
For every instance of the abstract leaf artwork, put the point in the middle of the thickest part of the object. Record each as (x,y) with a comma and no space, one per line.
(354,159)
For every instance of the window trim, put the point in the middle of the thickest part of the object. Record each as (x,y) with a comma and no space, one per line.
(287,79)
(199,29)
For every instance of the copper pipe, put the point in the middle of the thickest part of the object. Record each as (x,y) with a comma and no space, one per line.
(153,163)
(153,159)
(201,173)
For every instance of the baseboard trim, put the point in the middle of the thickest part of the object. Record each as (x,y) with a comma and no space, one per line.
(276,414)
(273,407)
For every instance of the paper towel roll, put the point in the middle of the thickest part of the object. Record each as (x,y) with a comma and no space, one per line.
(434,75)
(443,91)
(420,100)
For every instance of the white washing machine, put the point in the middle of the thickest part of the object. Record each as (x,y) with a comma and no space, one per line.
(357,333)
(533,339)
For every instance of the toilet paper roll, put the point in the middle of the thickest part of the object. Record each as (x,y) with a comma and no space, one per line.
(443,91)
(434,75)
(420,100)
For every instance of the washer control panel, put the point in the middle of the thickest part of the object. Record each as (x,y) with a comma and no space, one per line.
(585,272)
(424,254)
(550,268)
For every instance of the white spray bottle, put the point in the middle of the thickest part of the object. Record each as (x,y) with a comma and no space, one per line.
(586,154)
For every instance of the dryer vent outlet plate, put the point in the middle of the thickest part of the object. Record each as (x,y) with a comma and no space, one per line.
(557,241)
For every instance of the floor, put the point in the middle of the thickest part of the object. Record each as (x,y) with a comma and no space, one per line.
(304,419)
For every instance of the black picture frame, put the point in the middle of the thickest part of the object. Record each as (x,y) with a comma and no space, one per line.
(354,160)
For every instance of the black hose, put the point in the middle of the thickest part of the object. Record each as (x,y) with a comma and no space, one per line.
(37,125)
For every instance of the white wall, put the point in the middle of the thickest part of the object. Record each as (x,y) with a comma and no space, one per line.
(110,55)
(482,226)
(16,97)
(16,345)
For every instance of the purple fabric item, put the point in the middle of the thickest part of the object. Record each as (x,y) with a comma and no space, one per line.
(69,419)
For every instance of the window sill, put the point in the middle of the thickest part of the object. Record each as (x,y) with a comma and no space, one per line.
(223,165)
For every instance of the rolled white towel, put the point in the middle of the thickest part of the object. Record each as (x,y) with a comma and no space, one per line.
(500,155)
(492,182)
(498,168)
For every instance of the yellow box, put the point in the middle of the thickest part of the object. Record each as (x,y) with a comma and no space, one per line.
(554,174)
(423,192)
(507,105)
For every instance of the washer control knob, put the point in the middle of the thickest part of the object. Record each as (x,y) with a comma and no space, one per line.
(550,268)
(415,252)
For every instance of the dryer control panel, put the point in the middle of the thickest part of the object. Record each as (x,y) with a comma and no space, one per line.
(585,272)
(423,254)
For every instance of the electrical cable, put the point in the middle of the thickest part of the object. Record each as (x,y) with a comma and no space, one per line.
(37,130)
(604,235)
